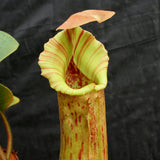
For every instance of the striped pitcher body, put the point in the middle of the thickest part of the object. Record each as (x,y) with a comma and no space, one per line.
(83,126)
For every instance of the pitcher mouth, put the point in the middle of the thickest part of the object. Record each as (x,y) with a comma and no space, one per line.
(74,62)
(74,78)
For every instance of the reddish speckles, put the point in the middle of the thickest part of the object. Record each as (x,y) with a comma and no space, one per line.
(65,143)
(102,128)
(95,140)
(104,153)
(70,156)
(76,119)
(80,119)
(95,147)
(83,107)
(67,140)
(103,138)
(69,80)
(81,151)
(76,136)
(74,78)
(71,143)
(71,126)
(61,121)
(89,101)
(65,114)
(68,121)
(63,131)
(69,106)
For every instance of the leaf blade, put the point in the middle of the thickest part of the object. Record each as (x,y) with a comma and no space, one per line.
(7,45)
(15,101)
(7,98)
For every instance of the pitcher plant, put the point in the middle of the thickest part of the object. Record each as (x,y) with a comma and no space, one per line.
(75,63)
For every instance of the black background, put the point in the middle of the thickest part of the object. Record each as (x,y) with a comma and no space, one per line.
(132,38)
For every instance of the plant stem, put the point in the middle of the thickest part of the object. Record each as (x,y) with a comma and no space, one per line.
(9,135)
(2,155)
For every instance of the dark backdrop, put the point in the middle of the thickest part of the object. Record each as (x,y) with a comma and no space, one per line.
(132,38)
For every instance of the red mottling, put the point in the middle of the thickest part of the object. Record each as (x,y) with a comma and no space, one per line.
(76,136)
(65,142)
(76,119)
(95,147)
(102,128)
(81,151)
(74,78)
(80,83)
(69,80)
(96,142)
(78,104)
(103,138)
(79,119)
(70,156)
(83,107)
(61,121)
(69,106)
(71,143)
(89,102)
(71,126)
(86,83)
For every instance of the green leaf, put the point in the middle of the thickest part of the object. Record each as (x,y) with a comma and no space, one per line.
(7,98)
(15,101)
(7,45)
(88,55)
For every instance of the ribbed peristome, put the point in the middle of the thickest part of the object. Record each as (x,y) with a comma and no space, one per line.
(77,48)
